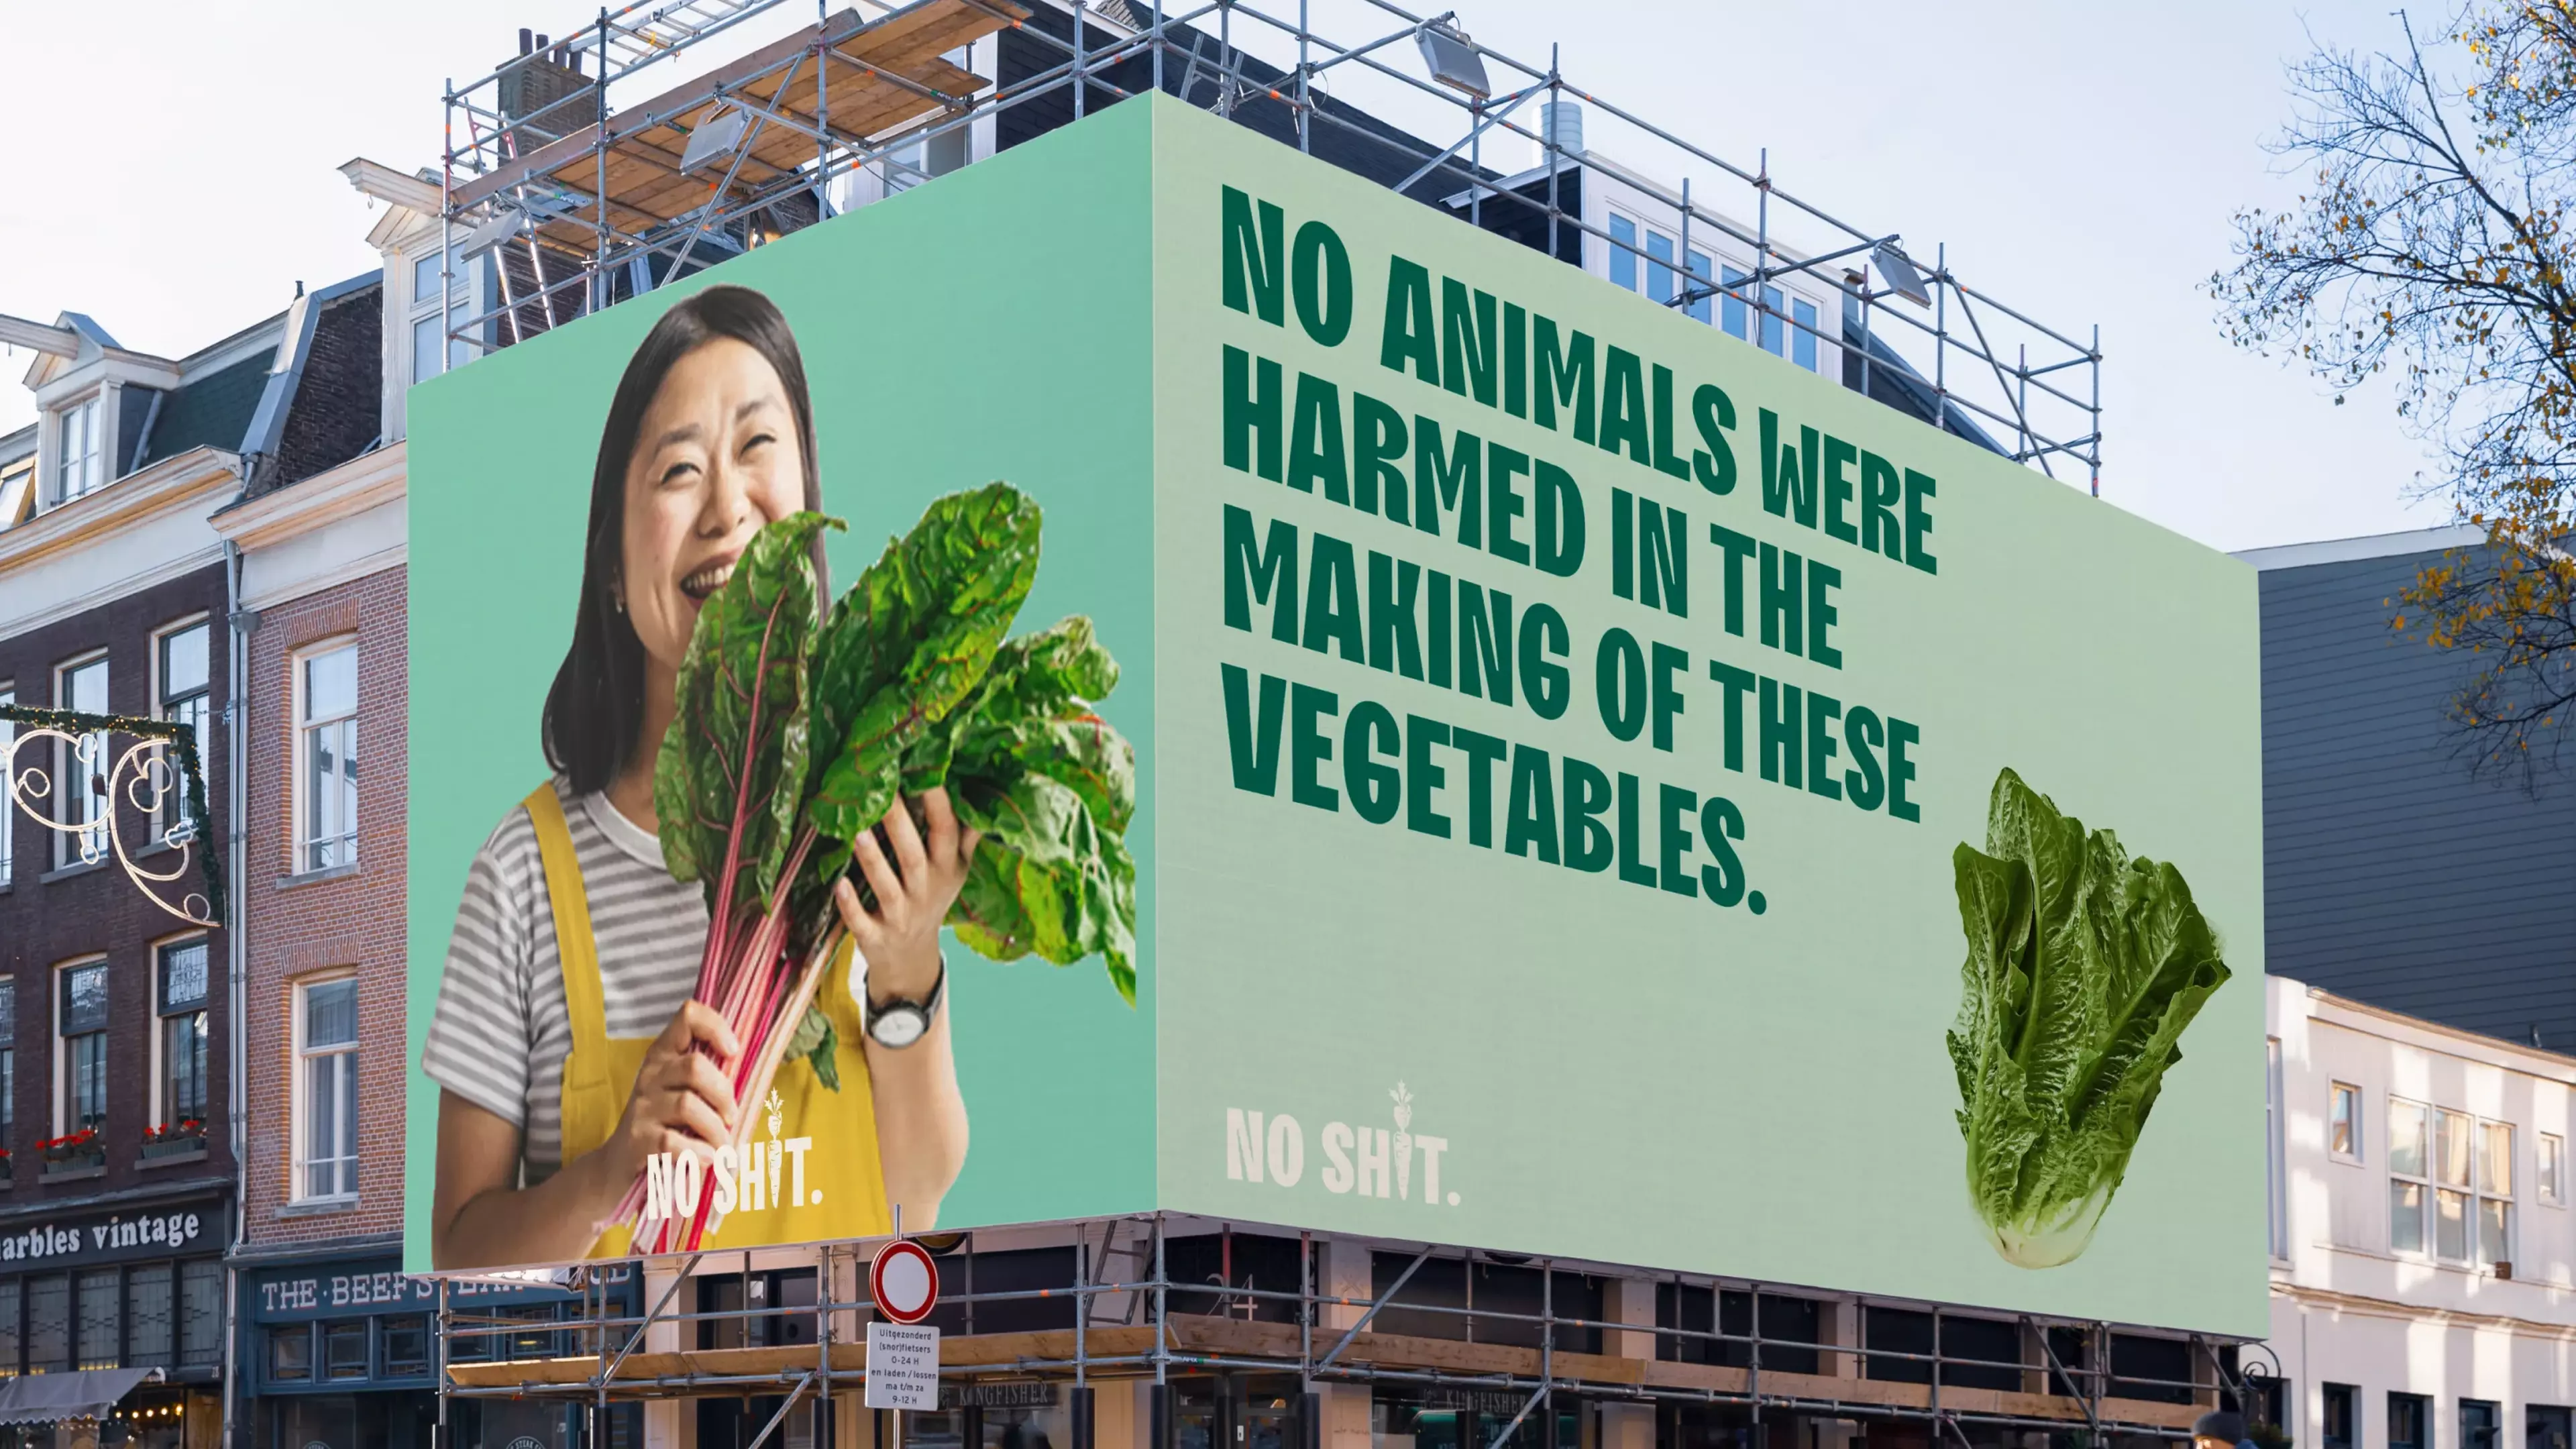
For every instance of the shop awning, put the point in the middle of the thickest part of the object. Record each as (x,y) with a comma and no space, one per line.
(45,1398)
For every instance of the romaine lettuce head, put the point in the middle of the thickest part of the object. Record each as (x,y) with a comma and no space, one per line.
(2083,969)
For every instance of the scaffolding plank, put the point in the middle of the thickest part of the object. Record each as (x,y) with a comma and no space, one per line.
(725,1371)
(909,40)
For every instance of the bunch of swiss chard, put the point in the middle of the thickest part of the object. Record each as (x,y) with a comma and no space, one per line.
(2084,967)
(799,729)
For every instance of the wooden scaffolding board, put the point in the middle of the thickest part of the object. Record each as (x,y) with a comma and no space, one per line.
(875,77)
(690,1373)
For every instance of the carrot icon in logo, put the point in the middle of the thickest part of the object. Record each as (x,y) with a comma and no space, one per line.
(1403,1141)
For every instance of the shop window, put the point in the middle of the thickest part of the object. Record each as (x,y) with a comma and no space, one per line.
(182,687)
(1247,1263)
(2337,1416)
(11,1341)
(780,1312)
(180,1112)
(81,1100)
(326,757)
(2410,1420)
(1694,1311)
(149,1318)
(2544,1426)
(2157,1370)
(49,1324)
(290,1353)
(344,1348)
(82,766)
(406,1346)
(326,1097)
(102,1315)
(201,1312)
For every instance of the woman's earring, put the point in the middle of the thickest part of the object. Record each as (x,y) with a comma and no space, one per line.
(618,597)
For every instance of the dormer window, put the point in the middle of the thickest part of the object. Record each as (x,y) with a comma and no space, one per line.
(81,461)
(427,332)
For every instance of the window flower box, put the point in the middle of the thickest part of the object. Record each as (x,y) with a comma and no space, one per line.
(74,1150)
(171,1139)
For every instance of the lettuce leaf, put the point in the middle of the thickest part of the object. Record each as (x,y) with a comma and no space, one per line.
(2084,967)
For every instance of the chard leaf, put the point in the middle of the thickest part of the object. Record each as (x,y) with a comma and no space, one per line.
(2084,968)
(815,1040)
(736,750)
(907,644)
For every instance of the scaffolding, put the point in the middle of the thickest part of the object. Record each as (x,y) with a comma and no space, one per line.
(587,202)
(1120,1316)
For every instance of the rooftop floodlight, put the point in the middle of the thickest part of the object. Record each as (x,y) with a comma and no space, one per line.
(1453,59)
(1898,271)
(714,140)
(502,228)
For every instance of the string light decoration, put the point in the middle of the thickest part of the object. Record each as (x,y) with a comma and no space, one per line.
(160,774)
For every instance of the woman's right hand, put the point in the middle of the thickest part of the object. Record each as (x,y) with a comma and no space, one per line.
(681,1102)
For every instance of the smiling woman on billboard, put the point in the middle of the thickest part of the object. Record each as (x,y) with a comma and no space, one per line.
(567,1048)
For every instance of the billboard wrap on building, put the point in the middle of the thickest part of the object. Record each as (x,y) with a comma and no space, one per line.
(1597,789)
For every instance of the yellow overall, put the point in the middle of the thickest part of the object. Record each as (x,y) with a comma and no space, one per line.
(840,1178)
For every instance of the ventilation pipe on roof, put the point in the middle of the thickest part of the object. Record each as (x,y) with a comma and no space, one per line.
(1561,122)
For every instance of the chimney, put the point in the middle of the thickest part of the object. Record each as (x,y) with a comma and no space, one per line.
(545,83)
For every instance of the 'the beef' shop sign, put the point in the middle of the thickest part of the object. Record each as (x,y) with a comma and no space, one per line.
(122,1235)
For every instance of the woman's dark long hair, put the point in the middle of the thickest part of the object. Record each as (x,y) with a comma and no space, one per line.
(596,708)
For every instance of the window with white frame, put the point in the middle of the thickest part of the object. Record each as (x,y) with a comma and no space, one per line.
(79,465)
(2275,1179)
(2343,1123)
(1645,259)
(326,1088)
(432,351)
(2549,1168)
(2450,1184)
(17,493)
(8,1072)
(8,816)
(80,769)
(1644,254)
(2495,1193)
(179,996)
(80,1020)
(183,672)
(326,757)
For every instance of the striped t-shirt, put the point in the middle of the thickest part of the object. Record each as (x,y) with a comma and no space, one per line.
(500,1032)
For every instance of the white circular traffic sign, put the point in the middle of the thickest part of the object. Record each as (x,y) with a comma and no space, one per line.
(904,1282)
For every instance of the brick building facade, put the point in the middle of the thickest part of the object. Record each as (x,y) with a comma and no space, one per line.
(335,1340)
(119,1123)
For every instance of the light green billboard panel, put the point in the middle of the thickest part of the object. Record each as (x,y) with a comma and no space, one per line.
(1600,790)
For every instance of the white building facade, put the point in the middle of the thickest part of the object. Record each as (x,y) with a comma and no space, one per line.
(2423,1249)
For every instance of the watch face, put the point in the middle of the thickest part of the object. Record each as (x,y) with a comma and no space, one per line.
(899,1026)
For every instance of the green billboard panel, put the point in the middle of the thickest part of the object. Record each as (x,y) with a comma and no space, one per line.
(1591,787)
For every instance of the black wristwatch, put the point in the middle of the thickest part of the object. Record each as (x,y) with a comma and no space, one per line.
(899,1023)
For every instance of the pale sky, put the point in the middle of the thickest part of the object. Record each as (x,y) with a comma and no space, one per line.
(173,174)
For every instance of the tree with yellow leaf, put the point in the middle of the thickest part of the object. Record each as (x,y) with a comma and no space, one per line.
(2432,250)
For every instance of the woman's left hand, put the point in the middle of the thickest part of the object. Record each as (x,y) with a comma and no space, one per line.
(900,938)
